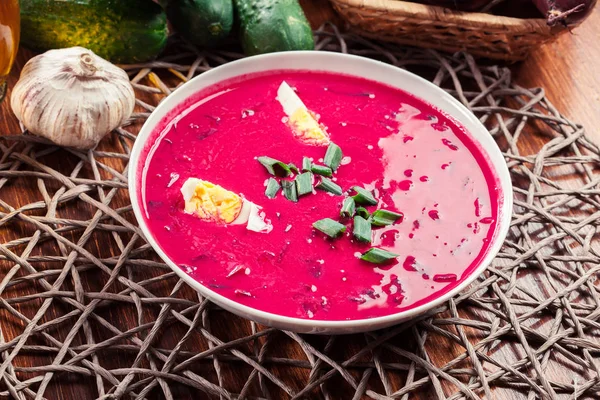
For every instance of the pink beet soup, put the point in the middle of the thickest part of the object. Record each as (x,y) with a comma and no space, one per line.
(418,161)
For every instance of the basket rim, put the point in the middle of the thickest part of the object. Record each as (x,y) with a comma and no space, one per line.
(465,19)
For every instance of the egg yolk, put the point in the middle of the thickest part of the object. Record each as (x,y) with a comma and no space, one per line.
(307,129)
(214,203)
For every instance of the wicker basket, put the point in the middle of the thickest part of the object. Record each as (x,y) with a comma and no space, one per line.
(480,34)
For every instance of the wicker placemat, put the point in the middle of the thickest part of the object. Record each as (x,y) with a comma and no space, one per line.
(85,304)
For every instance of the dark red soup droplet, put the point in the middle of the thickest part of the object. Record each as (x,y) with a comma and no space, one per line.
(434,215)
(486,220)
(449,144)
(405,185)
(409,263)
(477,207)
(444,166)
(393,287)
(443,278)
(408,173)
(388,238)
(424,178)
(407,138)
(440,126)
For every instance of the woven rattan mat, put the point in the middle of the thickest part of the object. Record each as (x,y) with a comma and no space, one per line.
(86,308)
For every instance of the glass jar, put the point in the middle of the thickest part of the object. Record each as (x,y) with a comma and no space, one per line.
(9,39)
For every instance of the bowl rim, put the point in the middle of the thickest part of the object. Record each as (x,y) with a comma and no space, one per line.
(484,140)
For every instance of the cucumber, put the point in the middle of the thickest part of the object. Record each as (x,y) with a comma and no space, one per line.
(204,23)
(273,25)
(121,31)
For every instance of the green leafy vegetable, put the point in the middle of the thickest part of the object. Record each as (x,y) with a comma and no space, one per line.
(330,186)
(306,164)
(322,170)
(378,256)
(348,208)
(385,217)
(304,183)
(329,227)
(272,188)
(275,167)
(333,156)
(362,212)
(364,196)
(362,229)
(289,190)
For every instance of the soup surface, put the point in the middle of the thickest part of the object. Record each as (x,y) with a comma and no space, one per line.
(416,160)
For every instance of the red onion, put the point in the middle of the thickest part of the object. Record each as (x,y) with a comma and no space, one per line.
(565,12)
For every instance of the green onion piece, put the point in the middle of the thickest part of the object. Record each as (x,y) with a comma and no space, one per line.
(330,186)
(321,170)
(329,227)
(362,212)
(362,229)
(275,167)
(304,183)
(272,188)
(348,208)
(289,190)
(293,168)
(333,156)
(378,256)
(385,217)
(364,196)
(306,164)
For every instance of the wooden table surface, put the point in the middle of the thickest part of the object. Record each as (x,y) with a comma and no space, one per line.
(566,69)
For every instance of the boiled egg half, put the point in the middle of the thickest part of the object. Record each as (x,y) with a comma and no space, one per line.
(300,119)
(214,203)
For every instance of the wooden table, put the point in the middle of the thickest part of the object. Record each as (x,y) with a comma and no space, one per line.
(566,69)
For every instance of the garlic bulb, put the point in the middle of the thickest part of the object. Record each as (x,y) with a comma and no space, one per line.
(72,97)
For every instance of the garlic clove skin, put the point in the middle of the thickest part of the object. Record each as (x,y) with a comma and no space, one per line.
(72,97)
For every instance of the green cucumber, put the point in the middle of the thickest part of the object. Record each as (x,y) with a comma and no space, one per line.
(273,25)
(121,31)
(204,23)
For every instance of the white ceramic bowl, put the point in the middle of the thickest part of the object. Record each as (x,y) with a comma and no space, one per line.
(351,65)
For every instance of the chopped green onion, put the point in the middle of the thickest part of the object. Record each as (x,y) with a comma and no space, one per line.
(348,208)
(330,186)
(306,164)
(304,183)
(275,167)
(329,227)
(293,168)
(333,156)
(385,217)
(289,190)
(378,256)
(364,196)
(272,188)
(322,170)
(362,212)
(362,229)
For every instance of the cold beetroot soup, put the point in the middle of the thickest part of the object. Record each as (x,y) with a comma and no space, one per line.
(253,230)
